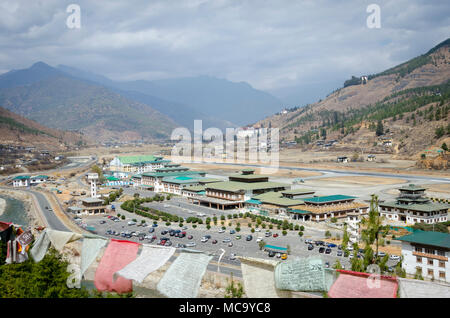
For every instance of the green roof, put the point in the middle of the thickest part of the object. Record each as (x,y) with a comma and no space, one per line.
(235,186)
(40,177)
(328,198)
(171,174)
(298,191)
(299,211)
(276,198)
(252,201)
(248,176)
(273,247)
(412,187)
(140,159)
(111,178)
(198,188)
(437,239)
(172,169)
(21,177)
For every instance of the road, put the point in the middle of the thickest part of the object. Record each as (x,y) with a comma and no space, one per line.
(345,173)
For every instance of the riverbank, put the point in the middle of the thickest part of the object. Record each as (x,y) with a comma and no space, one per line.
(2,206)
(28,206)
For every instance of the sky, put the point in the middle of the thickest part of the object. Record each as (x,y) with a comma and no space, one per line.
(298,50)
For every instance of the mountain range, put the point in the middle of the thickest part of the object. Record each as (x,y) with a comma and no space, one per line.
(65,97)
(411,100)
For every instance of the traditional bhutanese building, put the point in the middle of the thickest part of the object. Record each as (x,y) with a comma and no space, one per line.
(411,206)
(160,180)
(238,189)
(137,164)
(320,208)
(278,202)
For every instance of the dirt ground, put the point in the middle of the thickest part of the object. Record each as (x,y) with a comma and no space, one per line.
(438,187)
(361,180)
(222,169)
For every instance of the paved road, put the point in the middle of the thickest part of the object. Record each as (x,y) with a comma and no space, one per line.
(52,220)
(346,172)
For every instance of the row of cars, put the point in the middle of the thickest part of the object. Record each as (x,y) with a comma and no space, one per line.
(327,249)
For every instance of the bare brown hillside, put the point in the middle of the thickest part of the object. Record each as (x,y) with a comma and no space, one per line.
(18,130)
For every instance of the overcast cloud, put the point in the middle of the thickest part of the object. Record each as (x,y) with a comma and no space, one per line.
(273,45)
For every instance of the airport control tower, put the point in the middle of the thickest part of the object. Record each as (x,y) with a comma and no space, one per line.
(93,178)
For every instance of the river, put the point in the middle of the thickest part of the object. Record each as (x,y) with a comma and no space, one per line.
(14,211)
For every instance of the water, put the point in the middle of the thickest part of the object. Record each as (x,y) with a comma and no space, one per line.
(14,211)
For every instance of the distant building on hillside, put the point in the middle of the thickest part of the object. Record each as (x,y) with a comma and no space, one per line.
(343,159)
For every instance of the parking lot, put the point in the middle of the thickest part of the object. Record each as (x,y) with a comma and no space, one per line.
(241,247)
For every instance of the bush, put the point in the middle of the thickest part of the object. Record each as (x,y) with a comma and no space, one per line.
(123,217)
(252,230)
(302,228)
(297,227)
(238,229)
(168,223)
(180,225)
(284,232)
(208,227)
(300,233)
(333,220)
(194,225)
(327,234)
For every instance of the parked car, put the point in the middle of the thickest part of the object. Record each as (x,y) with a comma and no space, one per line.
(271,254)
(179,245)
(230,244)
(339,253)
(268,234)
(232,231)
(154,225)
(259,239)
(190,244)
(381,254)
(164,232)
(238,237)
(226,240)
(232,256)
(214,241)
(168,243)
(322,249)
(204,240)
(182,234)
(319,243)
(394,257)
(284,256)
(327,264)
(249,238)
(278,255)
(328,251)
(257,229)
(310,247)
(102,222)
(131,223)
(308,241)
(221,231)
(151,230)
(190,237)
(350,248)
(275,235)
(331,245)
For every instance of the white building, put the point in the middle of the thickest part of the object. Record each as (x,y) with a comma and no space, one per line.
(21,181)
(137,164)
(426,253)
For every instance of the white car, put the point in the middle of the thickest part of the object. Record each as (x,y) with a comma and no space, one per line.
(190,244)
(394,257)
(259,239)
(221,231)
(257,230)
(232,256)
(204,240)
(278,255)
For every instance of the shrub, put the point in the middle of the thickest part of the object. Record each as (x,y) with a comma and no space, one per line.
(123,217)
(300,233)
(208,227)
(284,232)
(194,225)
(238,229)
(168,223)
(297,227)
(252,230)
(302,228)
(327,234)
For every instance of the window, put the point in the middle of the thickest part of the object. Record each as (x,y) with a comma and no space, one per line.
(419,259)
(430,261)
(430,272)
(441,274)
(419,270)
(418,249)
(429,251)
(441,264)
(440,252)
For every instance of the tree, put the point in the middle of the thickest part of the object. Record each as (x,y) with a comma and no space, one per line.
(380,130)
(327,234)
(374,227)
(232,291)
(261,244)
(444,147)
